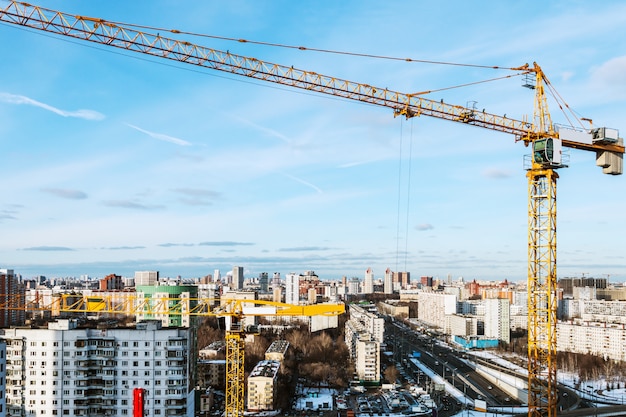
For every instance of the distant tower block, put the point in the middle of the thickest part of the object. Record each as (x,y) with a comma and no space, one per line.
(368,283)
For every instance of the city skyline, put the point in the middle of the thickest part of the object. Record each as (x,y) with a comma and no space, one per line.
(117,162)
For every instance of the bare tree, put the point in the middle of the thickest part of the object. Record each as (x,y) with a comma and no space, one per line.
(391,374)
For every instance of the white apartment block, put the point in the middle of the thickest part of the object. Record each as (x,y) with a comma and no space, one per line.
(262,386)
(601,339)
(388,282)
(146,277)
(69,371)
(364,351)
(463,325)
(497,319)
(373,324)
(368,282)
(594,310)
(368,360)
(292,288)
(433,307)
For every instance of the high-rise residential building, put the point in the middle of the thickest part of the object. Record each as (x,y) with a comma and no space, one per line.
(217,276)
(354,284)
(276,280)
(292,288)
(372,322)
(146,277)
(388,282)
(403,279)
(161,299)
(111,282)
(264,282)
(237,277)
(601,339)
(364,333)
(426,281)
(497,319)
(67,370)
(368,282)
(12,293)
(364,352)
(434,307)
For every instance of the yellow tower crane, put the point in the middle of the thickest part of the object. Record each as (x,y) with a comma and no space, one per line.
(546,145)
(234,309)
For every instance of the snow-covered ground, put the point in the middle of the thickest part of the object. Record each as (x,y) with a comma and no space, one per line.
(593,391)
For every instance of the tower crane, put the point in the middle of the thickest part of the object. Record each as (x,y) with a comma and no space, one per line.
(540,134)
(235,310)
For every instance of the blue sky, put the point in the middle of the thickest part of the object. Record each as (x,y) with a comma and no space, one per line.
(115,162)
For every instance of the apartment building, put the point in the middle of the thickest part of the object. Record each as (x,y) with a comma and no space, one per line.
(368,282)
(67,370)
(262,386)
(364,351)
(12,297)
(600,339)
(497,319)
(374,324)
(433,307)
(277,351)
(212,373)
(593,310)
(162,301)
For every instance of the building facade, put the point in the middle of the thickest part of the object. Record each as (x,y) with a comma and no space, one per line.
(65,370)
(12,294)
(262,386)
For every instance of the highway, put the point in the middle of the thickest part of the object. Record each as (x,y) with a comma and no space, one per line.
(450,364)
(458,368)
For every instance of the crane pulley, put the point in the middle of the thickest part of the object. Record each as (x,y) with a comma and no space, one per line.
(540,133)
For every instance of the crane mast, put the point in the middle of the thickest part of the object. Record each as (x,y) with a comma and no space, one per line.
(540,135)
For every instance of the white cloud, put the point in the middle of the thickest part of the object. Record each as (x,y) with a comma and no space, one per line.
(161,136)
(612,73)
(301,181)
(80,114)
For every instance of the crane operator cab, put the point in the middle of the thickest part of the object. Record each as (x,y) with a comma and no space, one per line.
(548,152)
